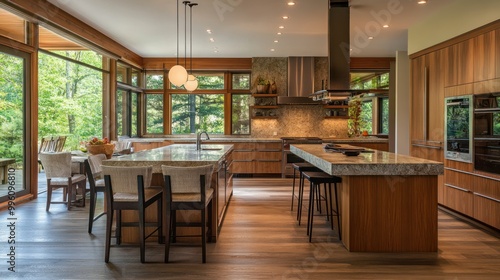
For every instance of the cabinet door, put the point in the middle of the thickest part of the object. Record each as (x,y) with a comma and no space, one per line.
(487,201)
(461,63)
(418,81)
(435,96)
(458,192)
(484,56)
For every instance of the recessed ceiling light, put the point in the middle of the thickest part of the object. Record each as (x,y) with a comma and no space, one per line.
(272,50)
(281,27)
(279,33)
(212,40)
(385,26)
(216,51)
(276,41)
(291,3)
(370,38)
(422,2)
(209,31)
(285,17)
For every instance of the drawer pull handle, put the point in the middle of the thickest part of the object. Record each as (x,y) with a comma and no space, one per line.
(457,188)
(427,146)
(487,197)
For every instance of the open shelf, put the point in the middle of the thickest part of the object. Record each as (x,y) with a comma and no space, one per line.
(336,117)
(265,107)
(264,117)
(263,95)
(335,106)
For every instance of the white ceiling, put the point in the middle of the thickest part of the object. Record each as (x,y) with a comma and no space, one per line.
(248,28)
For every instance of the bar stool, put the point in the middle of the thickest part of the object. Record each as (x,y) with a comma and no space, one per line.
(300,167)
(316,179)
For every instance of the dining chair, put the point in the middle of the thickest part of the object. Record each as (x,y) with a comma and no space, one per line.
(188,188)
(58,172)
(93,170)
(129,188)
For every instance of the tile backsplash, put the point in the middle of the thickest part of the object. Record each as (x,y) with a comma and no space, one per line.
(300,121)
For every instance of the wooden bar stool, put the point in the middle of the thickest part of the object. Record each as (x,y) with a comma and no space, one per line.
(316,179)
(300,167)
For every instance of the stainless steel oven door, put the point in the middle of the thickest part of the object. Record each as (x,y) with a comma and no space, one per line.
(458,128)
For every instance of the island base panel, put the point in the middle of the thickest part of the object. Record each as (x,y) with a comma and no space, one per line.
(389,213)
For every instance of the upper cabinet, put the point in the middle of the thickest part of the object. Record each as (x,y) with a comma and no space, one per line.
(418,95)
(460,69)
(484,56)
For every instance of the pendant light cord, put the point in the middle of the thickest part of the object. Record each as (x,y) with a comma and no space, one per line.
(177,32)
(191,37)
(186,3)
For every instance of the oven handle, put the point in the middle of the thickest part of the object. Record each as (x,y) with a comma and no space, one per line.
(486,110)
(427,146)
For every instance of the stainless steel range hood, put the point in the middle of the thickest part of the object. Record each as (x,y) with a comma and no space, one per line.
(301,69)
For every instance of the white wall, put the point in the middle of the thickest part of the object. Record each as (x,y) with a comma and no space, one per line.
(402,117)
(459,17)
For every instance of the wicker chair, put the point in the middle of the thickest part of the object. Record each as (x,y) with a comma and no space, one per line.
(188,188)
(58,171)
(129,188)
(93,170)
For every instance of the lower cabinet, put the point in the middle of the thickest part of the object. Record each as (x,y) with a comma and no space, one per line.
(475,196)
(458,192)
(257,158)
(487,201)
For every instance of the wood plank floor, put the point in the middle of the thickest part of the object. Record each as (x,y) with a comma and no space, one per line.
(260,239)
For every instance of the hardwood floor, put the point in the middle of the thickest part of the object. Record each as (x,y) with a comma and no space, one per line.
(260,239)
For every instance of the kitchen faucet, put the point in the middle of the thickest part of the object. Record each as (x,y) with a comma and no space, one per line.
(198,139)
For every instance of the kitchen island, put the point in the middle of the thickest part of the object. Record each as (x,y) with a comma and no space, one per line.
(388,202)
(220,156)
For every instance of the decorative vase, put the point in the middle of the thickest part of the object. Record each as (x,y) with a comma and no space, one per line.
(261,88)
(106,149)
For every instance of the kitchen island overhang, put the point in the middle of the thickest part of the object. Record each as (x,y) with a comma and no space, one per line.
(388,201)
(180,155)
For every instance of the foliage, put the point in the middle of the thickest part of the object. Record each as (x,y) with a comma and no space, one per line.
(70,97)
(197,112)
(355,122)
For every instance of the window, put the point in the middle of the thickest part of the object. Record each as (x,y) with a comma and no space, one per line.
(127,112)
(383,115)
(241,81)
(154,113)
(367,116)
(240,114)
(197,112)
(154,80)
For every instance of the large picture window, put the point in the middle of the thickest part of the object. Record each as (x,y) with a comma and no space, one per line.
(197,112)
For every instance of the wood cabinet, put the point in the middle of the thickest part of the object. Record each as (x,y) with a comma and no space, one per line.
(257,157)
(497,52)
(460,59)
(427,105)
(458,191)
(484,56)
(487,201)
(148,145)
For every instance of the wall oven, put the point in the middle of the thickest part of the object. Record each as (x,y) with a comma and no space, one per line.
(458,128)
(487,132)
(288,157)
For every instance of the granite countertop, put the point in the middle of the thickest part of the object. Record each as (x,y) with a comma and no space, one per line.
(376,163)
(212,139)
(173,155)
(364,139)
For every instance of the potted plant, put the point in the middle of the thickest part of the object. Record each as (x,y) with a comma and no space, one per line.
(262,85)
(354,123)
(100,146)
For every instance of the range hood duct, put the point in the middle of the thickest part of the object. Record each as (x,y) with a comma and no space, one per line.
(301,69)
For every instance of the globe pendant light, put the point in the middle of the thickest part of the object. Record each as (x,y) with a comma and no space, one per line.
(177,74)
(192,82)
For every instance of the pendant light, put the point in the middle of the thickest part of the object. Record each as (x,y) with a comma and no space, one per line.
(192,82)
(177,74)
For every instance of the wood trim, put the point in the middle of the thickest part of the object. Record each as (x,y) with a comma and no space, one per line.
(44,12)
(16,45)
(463,37)
(200,63)
(487,86)
(459,90)
(371,62)
(32,104)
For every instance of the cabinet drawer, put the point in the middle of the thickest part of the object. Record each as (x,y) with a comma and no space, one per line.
(267,166)
(487,187)
(244,147)
(485,209)
(242,167)
(243,156)
(458,179)
(268,156)
(268,146)
(458,199)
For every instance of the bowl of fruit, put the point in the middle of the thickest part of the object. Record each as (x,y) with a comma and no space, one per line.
(100,146)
